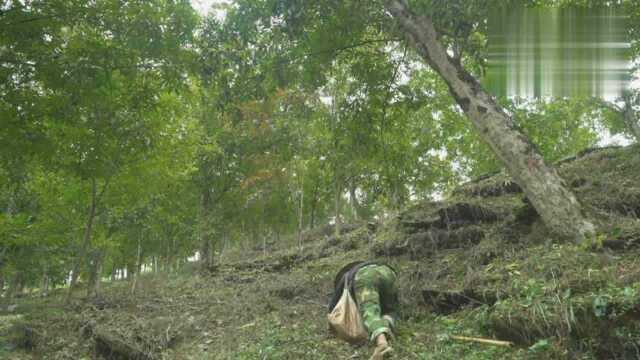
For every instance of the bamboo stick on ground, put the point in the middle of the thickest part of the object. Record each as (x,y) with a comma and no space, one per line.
(482,340)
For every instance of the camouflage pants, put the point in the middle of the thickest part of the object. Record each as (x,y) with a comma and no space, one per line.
(377,295)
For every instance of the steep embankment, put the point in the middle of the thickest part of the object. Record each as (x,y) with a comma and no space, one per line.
(477,264)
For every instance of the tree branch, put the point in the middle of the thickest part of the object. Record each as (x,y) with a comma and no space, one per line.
(609,105)
(104,188)
(30,20)
(17,62)
(338,49)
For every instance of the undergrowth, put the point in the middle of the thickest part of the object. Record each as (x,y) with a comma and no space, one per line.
(553,300)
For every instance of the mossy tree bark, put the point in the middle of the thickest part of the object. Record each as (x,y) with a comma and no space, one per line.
(547,191)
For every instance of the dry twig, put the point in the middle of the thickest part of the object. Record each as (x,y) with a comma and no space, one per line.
(482,340)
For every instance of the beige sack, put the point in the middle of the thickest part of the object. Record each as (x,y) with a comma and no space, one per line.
(345,319)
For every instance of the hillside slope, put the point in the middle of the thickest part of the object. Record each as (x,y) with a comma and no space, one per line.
(477,264)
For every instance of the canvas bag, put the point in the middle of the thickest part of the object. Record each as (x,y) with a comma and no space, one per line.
(345,319)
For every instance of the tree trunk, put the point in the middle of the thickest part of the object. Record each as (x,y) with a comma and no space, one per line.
(86,241)
(172,255)
(20,284)
(44,287)
(358,210)
(98,283)
(301,213)
(337,199)
(223,244)
(312,211)
(95,274)
(128,271)
(114,273)
(630,120)
(396,195)
(264,243)
(15,287)
(205,231)
(547,191)
(136,269)
(167,265)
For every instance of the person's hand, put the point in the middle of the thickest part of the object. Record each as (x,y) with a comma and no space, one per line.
(378,353)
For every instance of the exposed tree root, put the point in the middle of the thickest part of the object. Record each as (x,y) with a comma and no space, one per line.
(113,346)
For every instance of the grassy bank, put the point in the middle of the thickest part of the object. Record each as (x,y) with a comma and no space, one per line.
(485,243)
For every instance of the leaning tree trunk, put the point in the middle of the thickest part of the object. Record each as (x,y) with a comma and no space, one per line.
(629,116)
(547,191)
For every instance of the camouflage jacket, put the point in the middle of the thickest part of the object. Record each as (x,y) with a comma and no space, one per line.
(348,273)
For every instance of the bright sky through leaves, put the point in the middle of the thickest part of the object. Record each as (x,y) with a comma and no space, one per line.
(204,6)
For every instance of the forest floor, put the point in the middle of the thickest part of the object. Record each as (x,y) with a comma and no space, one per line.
(479,264)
